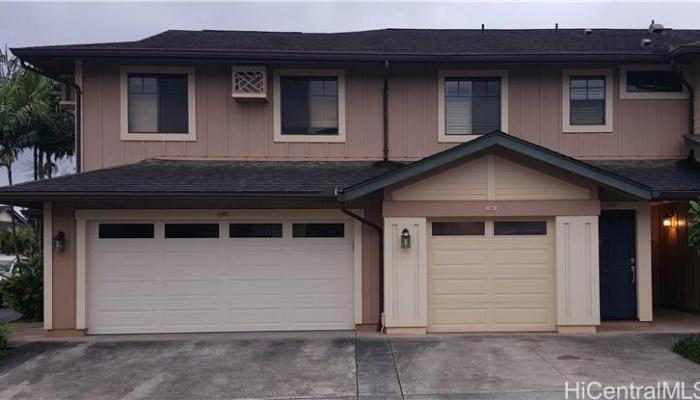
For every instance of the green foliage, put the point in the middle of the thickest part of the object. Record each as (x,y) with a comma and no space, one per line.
(694,225)
(689,348)
(31,117)
(3,337)
(23,290)
(21,243)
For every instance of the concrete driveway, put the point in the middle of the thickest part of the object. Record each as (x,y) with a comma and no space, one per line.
(335,365)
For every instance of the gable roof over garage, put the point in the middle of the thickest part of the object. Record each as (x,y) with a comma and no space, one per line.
(492,141)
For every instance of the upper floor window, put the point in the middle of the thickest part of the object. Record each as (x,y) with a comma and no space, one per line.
(471,103)
(587,97)
(157,103)
(650,82)
(309,106)
(587,100)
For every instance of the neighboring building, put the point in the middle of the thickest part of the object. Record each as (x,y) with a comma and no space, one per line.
(449,180)
(7,213)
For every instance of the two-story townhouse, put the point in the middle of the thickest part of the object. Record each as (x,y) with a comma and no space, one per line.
(425,180)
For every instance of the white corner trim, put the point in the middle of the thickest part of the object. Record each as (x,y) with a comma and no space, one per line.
(47,250)
(80,252)
(190,136)
(565,98)
(624,94)
(443,137)
(405,274)
(277,106)
(357,263)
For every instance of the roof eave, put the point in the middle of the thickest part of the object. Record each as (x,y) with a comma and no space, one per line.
(217,54)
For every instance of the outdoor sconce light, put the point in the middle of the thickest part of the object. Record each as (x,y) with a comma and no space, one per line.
(669,220)
(405,239)
(59,242)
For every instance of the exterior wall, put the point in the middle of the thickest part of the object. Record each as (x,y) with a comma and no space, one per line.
(677,269)
(226,128)
(64,266)
(651,128)
(641,128)
(63,285)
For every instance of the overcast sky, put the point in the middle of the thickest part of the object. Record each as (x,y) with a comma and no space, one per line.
(40,23)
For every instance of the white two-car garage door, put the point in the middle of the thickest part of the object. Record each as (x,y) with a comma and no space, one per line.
(491,276)
(146,277)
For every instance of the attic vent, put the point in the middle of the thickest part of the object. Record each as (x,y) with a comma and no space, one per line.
(646,42)
(587,31)
(249,82)
(656,28)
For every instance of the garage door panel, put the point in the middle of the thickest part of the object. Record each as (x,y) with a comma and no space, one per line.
(522,286)
(255,287)
(491,283)
(218,284)
(474,286)
(126,288)
(191,287)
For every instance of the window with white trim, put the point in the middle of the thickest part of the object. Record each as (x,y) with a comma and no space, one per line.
(309,105)
(651,82)
(158,103)
(587,101)
(471,103)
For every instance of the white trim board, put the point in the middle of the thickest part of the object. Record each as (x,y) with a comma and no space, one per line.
(48,265)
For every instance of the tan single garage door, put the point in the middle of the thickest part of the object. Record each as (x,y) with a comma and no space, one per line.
(491,276)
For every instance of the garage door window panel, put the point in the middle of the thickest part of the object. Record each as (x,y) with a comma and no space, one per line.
(126,231)
(255,230)
(477,228)
(191,231)
(318,230)
(515,228)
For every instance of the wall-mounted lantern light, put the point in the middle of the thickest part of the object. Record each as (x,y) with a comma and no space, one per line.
(59,242)
(405,239)
(669,220)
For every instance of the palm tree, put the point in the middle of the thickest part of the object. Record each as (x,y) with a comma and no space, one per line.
(31,117)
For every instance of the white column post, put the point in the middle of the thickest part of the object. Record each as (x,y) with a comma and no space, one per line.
(405,276)
(47,251)
(578,287)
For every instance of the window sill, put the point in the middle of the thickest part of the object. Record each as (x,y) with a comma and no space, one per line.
(279,138)
(443,138)
(625,95)
(587,129)
(158,137)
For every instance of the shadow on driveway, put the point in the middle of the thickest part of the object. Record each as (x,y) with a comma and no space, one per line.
(335,365)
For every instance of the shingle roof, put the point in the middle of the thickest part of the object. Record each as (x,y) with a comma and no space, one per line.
(389,42)
(668,179)
(158,177)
